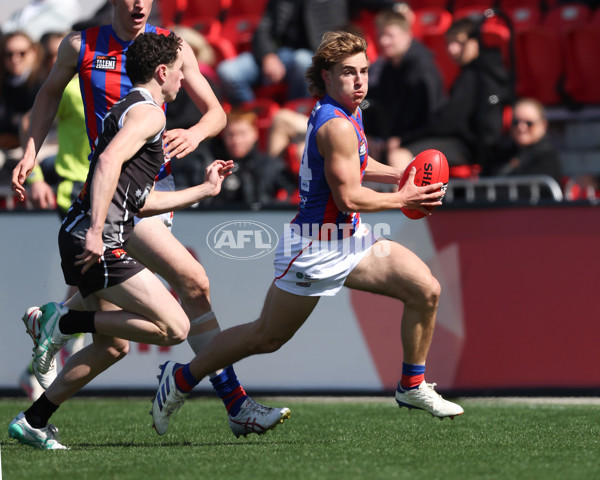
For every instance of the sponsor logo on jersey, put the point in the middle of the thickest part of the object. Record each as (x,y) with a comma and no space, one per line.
(362,148)
(105,62)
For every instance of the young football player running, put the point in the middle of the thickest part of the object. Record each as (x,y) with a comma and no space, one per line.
(327,247)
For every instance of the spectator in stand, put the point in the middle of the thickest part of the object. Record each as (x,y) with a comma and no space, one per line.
(283,45)
(527,150)
(41,16)
(20,80)
(469,124)
(257,178)
(405,85)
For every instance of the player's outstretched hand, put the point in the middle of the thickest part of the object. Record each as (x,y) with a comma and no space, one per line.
(218,171)
(20,174)
(179,142)
(420,198)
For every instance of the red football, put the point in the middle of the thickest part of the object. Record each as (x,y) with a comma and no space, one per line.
(432,167)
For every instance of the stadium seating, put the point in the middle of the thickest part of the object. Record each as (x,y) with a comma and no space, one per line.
(431,21)
(265,110)
(474,4)
(505,5)
(595,18)
(208,26)
(523,17)
(301,105)
(184,12)
(247,7)
(429,4)
(364,20)
(539,65)
(496,34)
(474,10)
(430,27)
(239,30)
(565,17)
(222,47)
(582,69)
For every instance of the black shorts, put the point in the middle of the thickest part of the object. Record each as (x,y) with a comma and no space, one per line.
(115,266)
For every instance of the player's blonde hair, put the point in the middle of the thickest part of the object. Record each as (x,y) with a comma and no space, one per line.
(334,47)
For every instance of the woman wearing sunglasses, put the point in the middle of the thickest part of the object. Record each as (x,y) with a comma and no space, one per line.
(528,150)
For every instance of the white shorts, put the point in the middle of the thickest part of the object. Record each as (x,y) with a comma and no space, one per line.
(167,184)
(314,268)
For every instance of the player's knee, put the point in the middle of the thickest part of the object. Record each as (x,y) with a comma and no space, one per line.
(177,333)
(430,292)
(191,285)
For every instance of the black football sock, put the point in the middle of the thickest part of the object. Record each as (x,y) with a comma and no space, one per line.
(40,412)
(75,321)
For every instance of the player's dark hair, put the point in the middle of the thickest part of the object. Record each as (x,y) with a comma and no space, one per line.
(334,47)
(148,51)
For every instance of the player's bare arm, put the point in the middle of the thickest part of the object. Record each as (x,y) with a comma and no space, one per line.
(380,173)
(162,201)
(338,144)
(141,124)
(180,142)
(45,108)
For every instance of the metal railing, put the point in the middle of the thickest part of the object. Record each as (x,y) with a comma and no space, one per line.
(526,188)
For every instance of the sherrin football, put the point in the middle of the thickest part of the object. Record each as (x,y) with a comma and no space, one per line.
(432,167)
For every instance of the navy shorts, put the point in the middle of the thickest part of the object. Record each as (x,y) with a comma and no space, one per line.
(115,266)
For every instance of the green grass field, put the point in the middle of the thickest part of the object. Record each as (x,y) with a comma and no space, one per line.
(324,439)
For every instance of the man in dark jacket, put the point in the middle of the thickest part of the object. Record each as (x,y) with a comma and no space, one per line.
(469,125)
(405,85)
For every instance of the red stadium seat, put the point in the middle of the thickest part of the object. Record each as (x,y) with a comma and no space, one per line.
(418,5)
(582,72)
(222,47)
(213,8)
(239,30)
(495,34)
(465,171)
(180,11)
(505,5)
(247,7)
(595,18)
(473,4)
(301,105)
(265,110)
(473,10)
(564,17)
(448,67)
(523,17)
(171,11)
(365,22)
(207,26)
(539,64)
(431,21)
